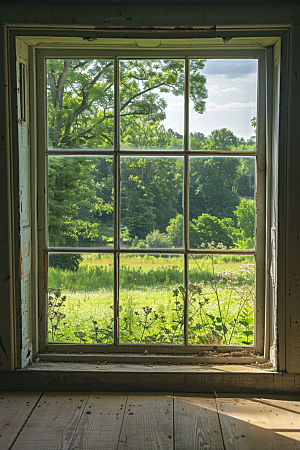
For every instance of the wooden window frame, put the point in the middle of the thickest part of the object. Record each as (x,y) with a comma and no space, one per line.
(50,46)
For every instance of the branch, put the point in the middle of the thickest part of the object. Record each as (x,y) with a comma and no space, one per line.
(138,94)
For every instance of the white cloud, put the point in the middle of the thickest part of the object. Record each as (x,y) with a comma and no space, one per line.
(232,106)
(216,90)
(230,68)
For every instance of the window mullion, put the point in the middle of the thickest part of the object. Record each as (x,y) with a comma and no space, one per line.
(116,199)
(186,198)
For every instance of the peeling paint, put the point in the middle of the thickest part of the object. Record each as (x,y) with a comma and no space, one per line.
(3,348)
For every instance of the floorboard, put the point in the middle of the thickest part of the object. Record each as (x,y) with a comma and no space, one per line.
(283,413)
(148,422)
(101,422)
(244,423)
(196,422)
(15,408)
(53,423)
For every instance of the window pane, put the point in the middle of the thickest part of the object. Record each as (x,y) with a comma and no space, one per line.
(151,202)
(80,94)
(226,119)
(80,298)
(151,103)
(222,202)
(221,299)
(151,307)
(80,201)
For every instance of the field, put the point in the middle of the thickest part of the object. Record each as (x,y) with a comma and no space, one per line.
(151,298)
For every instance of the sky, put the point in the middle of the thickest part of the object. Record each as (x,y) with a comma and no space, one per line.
(231,101)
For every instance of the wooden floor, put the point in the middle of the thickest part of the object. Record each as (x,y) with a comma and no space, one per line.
(142,421)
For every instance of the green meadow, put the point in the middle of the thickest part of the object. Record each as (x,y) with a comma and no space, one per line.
(151,299)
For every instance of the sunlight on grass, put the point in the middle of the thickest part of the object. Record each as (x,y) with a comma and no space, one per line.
(221,301)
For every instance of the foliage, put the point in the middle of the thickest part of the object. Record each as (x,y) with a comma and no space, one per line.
(220,303)
(207,228)
(65,261)
(175,231)
(222,139)
(55,315)
(245,213)
(213,186)
(81,189)
(155,239)
(149,191)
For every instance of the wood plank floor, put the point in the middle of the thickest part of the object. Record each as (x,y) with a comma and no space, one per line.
(142,421)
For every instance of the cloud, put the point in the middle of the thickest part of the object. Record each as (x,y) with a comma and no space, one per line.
(216,90)
(230,68)
(232,106)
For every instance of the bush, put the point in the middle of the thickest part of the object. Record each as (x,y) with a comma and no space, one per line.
(207,228)
(156,239)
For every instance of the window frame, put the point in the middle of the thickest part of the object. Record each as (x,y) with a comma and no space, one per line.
(42,55)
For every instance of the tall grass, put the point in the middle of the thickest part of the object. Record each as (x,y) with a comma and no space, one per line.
(151,298)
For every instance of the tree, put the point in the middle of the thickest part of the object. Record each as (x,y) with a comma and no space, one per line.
(213,186)
(156,239)
(197,140)
(73,207)
(149,191)
(81,115)
(175,231)
(207,228)
(81,97)
(222,139)
(245,213)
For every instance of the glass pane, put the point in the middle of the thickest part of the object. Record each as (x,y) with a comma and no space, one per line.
(151,202)
(80,94)
(80,298)
(80,201)
(221,299)
(151,104)
(224,118)
(222,202)
(151,307)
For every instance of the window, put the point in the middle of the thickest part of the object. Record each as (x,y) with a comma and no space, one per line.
(153,232)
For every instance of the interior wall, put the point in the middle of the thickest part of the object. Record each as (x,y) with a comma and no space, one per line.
(180,14)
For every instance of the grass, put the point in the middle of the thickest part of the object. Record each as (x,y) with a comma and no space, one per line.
(151,301)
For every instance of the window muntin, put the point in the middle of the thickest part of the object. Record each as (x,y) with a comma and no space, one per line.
(120,233)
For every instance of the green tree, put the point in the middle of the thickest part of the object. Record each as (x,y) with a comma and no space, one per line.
(213,186)
(207,228)
(73,207)
(245,214)
(81,97)
(149,191)
(222,139)
(156,239)
(81,115)
(175,231)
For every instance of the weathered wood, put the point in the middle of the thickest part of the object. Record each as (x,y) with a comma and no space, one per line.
(15,408)
(196,422)
(283,413)
(53,422)
(148,422)
(244,423)
(100,423)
